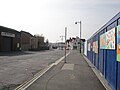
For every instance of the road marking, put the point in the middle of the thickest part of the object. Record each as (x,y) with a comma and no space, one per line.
(58,61)
(26,84)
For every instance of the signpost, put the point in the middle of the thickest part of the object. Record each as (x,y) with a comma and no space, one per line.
(65,42)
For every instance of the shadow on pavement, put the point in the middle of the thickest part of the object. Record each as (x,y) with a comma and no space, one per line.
(15,53)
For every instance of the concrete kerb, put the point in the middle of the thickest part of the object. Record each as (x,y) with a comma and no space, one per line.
(58,61)
(98,74)
(26,84)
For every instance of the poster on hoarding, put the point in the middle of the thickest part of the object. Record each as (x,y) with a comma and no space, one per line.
(88,46)
(107,40)
(95,47)
(118,43)
(110,39)
(103,41)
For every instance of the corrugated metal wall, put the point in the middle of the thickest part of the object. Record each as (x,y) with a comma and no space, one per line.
(105,60)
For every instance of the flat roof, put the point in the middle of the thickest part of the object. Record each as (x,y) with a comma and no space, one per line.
(6,28)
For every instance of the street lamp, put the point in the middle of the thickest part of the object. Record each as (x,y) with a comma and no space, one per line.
(80,33)
(65,42)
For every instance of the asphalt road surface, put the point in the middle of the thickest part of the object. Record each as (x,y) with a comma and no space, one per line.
(17,68)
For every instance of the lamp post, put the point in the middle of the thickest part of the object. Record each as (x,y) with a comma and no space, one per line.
(80,33)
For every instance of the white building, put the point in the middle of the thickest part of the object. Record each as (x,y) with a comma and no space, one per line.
(61,45)
(74,44)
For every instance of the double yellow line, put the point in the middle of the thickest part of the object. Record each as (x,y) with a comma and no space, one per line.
(26,84)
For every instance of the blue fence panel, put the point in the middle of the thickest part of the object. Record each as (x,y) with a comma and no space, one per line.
(118,79)
(97,63)
(111,63)
(98,52)
(96,55)
(104,59)
(88,52)
(94,58)
(91,52)
(111,68)
(101,53)
(88,55)
(101,63)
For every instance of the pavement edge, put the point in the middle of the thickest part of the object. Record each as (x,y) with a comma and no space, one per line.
(98,74)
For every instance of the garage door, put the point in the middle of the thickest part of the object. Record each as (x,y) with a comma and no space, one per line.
(7,44)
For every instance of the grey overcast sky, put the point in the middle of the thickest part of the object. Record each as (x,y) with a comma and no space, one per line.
(50,17)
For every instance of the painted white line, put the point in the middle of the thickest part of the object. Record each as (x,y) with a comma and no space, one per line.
(38,75)
(58,61)
(26,84)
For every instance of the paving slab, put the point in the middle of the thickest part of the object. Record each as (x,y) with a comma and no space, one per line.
(68,67)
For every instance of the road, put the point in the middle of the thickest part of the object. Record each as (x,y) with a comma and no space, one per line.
(16,69)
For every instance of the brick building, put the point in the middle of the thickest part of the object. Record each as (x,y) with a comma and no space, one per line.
(26,40)
(34,43)
(9,39)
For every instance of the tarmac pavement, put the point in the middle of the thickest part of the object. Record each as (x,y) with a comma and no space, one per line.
(76,74)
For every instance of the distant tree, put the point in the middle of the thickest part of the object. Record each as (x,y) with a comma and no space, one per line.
(47,42)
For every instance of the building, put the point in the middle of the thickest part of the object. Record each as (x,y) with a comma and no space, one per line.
(74,44)
(9,39)
(61,45)
(41,42)
(34,43)
(37,43)
(26,40)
